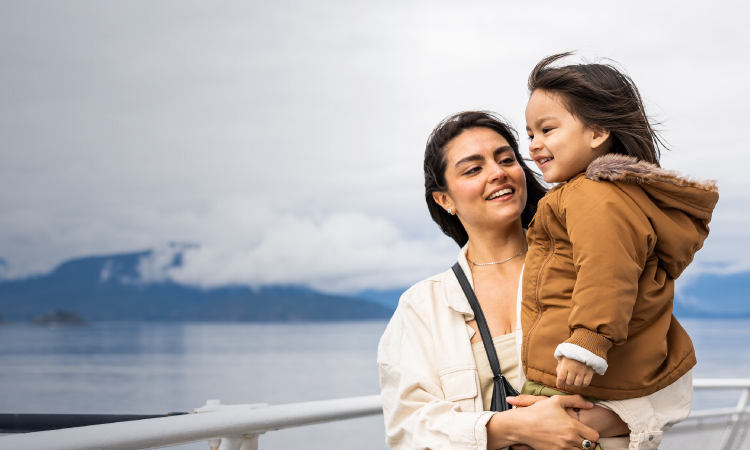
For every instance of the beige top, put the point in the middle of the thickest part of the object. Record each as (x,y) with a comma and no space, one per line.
(505,347)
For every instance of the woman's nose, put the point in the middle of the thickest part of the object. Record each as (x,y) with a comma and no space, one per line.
(498,173)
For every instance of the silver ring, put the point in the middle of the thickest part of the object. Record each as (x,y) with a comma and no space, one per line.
(586,444)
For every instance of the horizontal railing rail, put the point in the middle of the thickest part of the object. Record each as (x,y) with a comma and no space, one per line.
(28,423)
(236,427)
(721,383)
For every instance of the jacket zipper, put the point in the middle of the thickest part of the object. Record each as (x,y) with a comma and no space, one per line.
(525,354)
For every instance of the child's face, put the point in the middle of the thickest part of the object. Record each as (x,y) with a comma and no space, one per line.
(561,146)
(486,183)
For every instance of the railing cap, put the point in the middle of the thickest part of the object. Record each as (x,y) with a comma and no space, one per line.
(721,383)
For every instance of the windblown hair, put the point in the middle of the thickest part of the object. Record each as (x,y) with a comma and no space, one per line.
(601,96)
(435,165)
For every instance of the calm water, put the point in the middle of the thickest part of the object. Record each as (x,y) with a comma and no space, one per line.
(148,368)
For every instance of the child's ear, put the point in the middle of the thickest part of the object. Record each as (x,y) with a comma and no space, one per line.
(445,202)
(600,136)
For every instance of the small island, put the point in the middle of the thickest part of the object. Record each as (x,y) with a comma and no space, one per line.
(58,317)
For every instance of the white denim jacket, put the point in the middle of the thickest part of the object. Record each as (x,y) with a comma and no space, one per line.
(428,375)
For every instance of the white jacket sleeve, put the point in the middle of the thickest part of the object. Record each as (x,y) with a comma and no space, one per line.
(425,409)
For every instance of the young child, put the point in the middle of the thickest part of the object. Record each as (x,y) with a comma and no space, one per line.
(605,246)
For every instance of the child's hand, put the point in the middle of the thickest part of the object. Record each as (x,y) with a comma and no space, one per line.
(573,373)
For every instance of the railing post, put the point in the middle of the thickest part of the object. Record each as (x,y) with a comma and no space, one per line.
(249,442)
(742,403)
(245,442)
(231,443)
(213,444)
(734,428)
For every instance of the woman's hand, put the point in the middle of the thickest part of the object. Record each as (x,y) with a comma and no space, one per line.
(604,421)
(524,400)
(542,424)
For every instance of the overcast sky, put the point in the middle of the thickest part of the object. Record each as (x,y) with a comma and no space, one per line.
(286,138)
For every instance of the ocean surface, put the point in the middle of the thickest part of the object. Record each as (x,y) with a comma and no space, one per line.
(155,368)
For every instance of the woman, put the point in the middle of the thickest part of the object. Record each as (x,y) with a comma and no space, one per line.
(435,379)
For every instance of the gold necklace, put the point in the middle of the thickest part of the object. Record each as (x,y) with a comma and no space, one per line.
(497,262)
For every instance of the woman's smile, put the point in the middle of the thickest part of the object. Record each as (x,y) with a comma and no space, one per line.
(502,193)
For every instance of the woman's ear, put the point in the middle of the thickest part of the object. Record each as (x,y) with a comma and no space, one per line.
(599,137)
(445,202)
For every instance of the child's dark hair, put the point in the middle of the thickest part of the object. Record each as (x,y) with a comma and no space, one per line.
(435,165)
(601,96)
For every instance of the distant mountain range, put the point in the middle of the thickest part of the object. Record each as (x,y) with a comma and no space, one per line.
(704,296)
(109,288)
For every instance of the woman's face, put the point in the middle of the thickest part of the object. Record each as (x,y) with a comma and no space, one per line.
(486,184)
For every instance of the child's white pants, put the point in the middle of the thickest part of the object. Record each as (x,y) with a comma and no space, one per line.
(650,416)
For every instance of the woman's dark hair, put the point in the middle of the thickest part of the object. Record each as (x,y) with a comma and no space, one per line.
(601,96)
(435,165)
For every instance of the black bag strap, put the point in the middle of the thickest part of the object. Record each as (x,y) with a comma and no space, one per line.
(484,330)
(501,386)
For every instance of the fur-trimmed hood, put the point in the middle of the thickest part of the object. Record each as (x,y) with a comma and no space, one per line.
(679,207)
(614,167)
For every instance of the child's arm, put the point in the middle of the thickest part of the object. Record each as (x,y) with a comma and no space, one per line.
(610,238)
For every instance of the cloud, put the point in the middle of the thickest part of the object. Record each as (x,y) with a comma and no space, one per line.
(285,138)
(338,253)
(244,241)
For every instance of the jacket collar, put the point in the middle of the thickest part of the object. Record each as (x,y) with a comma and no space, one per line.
(453,295)
(615,167)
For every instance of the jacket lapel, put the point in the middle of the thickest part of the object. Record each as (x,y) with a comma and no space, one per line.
(453,295)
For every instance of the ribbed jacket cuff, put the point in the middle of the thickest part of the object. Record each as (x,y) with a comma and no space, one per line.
(591,341)
(587,347)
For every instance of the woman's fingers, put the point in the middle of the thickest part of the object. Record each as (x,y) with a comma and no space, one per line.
(580,432)
(572,436)
(573,401)
(525,400)
(587,433)
(558,432)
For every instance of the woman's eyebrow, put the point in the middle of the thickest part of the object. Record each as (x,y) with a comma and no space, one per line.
(471,158)
(479,157)
(503,149)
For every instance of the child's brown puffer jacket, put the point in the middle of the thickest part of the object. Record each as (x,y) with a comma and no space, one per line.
(604,251)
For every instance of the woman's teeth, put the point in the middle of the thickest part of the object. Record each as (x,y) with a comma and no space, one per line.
(544,160)
(500,192)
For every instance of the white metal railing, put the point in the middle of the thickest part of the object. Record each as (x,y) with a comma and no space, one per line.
(226,427)
(721,429)
(237,427)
